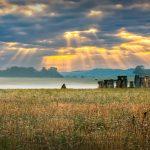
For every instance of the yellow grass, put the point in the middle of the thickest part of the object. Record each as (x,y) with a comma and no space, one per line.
(75,119)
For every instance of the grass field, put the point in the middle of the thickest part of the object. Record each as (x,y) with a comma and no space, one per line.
(102,119)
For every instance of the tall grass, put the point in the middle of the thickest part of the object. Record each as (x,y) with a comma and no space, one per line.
(105,119)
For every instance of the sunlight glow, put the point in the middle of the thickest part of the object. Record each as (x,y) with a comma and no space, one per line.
(70,36)
(20,51)
(87,57)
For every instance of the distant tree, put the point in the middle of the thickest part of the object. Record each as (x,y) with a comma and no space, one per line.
(29,72)
(53,69)
(82,77)
(44,69)
(139,70)
(43,72)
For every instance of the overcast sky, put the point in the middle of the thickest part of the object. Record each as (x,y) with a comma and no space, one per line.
(74,34)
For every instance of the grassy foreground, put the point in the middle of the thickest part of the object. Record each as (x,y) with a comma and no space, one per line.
(102,119)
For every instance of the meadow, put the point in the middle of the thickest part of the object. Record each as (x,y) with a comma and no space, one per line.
(95,119)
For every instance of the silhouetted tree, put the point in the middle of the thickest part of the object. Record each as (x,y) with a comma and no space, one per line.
(30,72)
(139,70)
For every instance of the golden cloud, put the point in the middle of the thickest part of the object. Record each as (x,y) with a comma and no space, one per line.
(95,14)
(28,10)
(78,36)
(64,62)
(136,47)
(20,51)
(136,43)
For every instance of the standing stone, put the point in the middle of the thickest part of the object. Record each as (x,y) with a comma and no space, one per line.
(131,84)
(145,82)
(142,82)
(100,84)
(105,83)
(149,83)
(146,79)
(122,82)
(137,81)
(111,83)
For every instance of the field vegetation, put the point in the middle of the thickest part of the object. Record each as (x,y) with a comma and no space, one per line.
(98,119)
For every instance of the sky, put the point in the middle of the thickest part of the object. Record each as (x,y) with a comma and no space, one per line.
(74,34)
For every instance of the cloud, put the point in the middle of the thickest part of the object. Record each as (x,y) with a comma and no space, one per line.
(137,45)
(141,6)
(133,50)
(110,6)
(14,53)
(85,57)
(27,10)
(21,49)
(45,41)
(79,36)
(117,6)
(87,26)
(95,14)
(101,11)
(18,31)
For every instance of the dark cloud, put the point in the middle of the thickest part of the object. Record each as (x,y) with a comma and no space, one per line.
(43,23)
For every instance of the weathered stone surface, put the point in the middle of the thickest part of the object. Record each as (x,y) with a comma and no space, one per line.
(137,81)
(142,82)
(106,83)
(122,82)
(100,84)
(131,84)
(145,82)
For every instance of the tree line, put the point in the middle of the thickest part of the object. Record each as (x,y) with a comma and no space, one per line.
(30,72)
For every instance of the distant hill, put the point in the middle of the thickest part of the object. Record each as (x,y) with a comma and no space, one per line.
(94,73)
(99,73)
(30,72)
